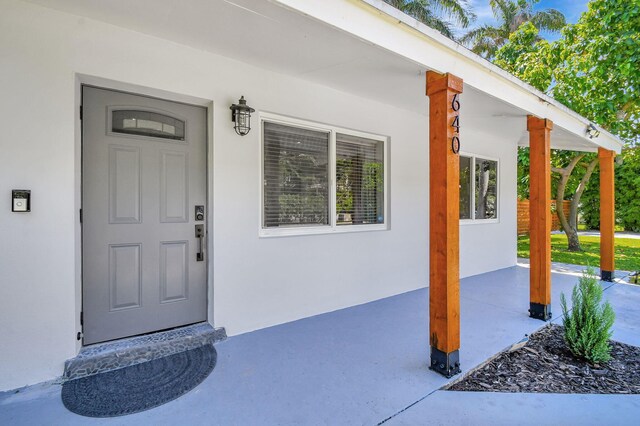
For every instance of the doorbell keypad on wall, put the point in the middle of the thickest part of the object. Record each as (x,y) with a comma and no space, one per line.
(21,200)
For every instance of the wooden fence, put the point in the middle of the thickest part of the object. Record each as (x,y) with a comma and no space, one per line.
(523,215)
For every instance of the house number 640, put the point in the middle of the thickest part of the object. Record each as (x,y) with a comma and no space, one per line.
(455,140)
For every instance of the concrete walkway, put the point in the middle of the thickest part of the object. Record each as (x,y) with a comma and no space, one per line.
(492,408)
(632,235)
(368,365)
(621,277)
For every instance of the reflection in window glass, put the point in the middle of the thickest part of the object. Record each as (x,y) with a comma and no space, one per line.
(465,187)
(486,174)
(147,123)
(296,176)
(359,181)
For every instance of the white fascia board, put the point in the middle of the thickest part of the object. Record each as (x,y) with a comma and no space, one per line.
(375,22)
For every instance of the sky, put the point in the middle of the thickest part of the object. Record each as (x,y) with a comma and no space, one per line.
(572,9)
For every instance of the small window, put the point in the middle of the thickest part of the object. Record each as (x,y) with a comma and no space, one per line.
(478,188)
(296,175)
(359,180)
(147,123)
(486,188)
(465,187)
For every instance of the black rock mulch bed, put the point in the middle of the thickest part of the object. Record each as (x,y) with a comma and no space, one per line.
(546,365)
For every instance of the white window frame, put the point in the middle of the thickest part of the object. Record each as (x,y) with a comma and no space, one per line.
(332,227)
(473,220)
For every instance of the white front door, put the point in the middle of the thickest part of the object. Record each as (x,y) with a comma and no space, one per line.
(144,225)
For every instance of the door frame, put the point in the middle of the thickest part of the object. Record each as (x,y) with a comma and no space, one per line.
(135,89)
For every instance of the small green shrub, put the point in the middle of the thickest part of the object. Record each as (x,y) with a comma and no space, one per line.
(587,328)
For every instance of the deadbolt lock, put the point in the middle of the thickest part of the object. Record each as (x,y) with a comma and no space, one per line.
(199,213)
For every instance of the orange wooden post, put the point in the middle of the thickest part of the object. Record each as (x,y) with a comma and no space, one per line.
(607,214)
(444,222)
(540,217)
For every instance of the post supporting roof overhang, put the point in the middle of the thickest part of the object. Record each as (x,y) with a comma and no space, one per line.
(540,217)
(444,91)
(607,214)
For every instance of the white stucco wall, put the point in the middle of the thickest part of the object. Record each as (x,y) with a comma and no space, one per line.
(256,282)
(490,246)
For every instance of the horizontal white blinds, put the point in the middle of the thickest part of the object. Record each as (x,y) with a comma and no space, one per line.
(359,180)
(296,176)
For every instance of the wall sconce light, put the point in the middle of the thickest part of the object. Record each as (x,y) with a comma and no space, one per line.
(241,115)
(592,132)
(619,160)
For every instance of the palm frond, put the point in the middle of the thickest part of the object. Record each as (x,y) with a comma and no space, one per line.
(443,26)
(486,47)
(511,14)
(502,9)
(415,8)
(458,10)
(485,31)
(434,13)
(549,20)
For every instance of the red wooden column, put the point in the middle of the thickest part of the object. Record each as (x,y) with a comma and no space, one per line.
(540,217)
(444,222)
(607,214)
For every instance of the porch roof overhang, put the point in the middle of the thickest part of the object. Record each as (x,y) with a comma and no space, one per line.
(363,47)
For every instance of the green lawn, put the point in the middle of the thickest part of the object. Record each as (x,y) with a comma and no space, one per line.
(627,251)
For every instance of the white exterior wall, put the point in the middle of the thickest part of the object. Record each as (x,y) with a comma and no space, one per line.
(489,246)
(256,282)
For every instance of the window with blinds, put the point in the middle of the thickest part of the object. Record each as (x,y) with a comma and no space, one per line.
(359,180)
(318,178)
(296,176)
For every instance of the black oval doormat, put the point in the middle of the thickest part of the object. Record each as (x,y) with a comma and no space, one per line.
(139,387)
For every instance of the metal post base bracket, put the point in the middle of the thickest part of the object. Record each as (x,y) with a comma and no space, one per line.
(540,311)
(606,276)
(447,364)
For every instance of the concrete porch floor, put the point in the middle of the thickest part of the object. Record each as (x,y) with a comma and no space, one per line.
(368,364)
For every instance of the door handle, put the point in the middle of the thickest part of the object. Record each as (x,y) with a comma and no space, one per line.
(200,237)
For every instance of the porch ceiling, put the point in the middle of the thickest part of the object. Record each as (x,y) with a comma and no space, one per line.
(289,42)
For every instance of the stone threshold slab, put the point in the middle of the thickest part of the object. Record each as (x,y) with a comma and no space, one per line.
(109,356)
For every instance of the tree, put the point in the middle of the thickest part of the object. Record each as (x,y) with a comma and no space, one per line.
(437,13)
(570,224)
(594,68)
(627,194)
(511,14)
(573,172)
(628,190)
(597,70)
(526,56)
